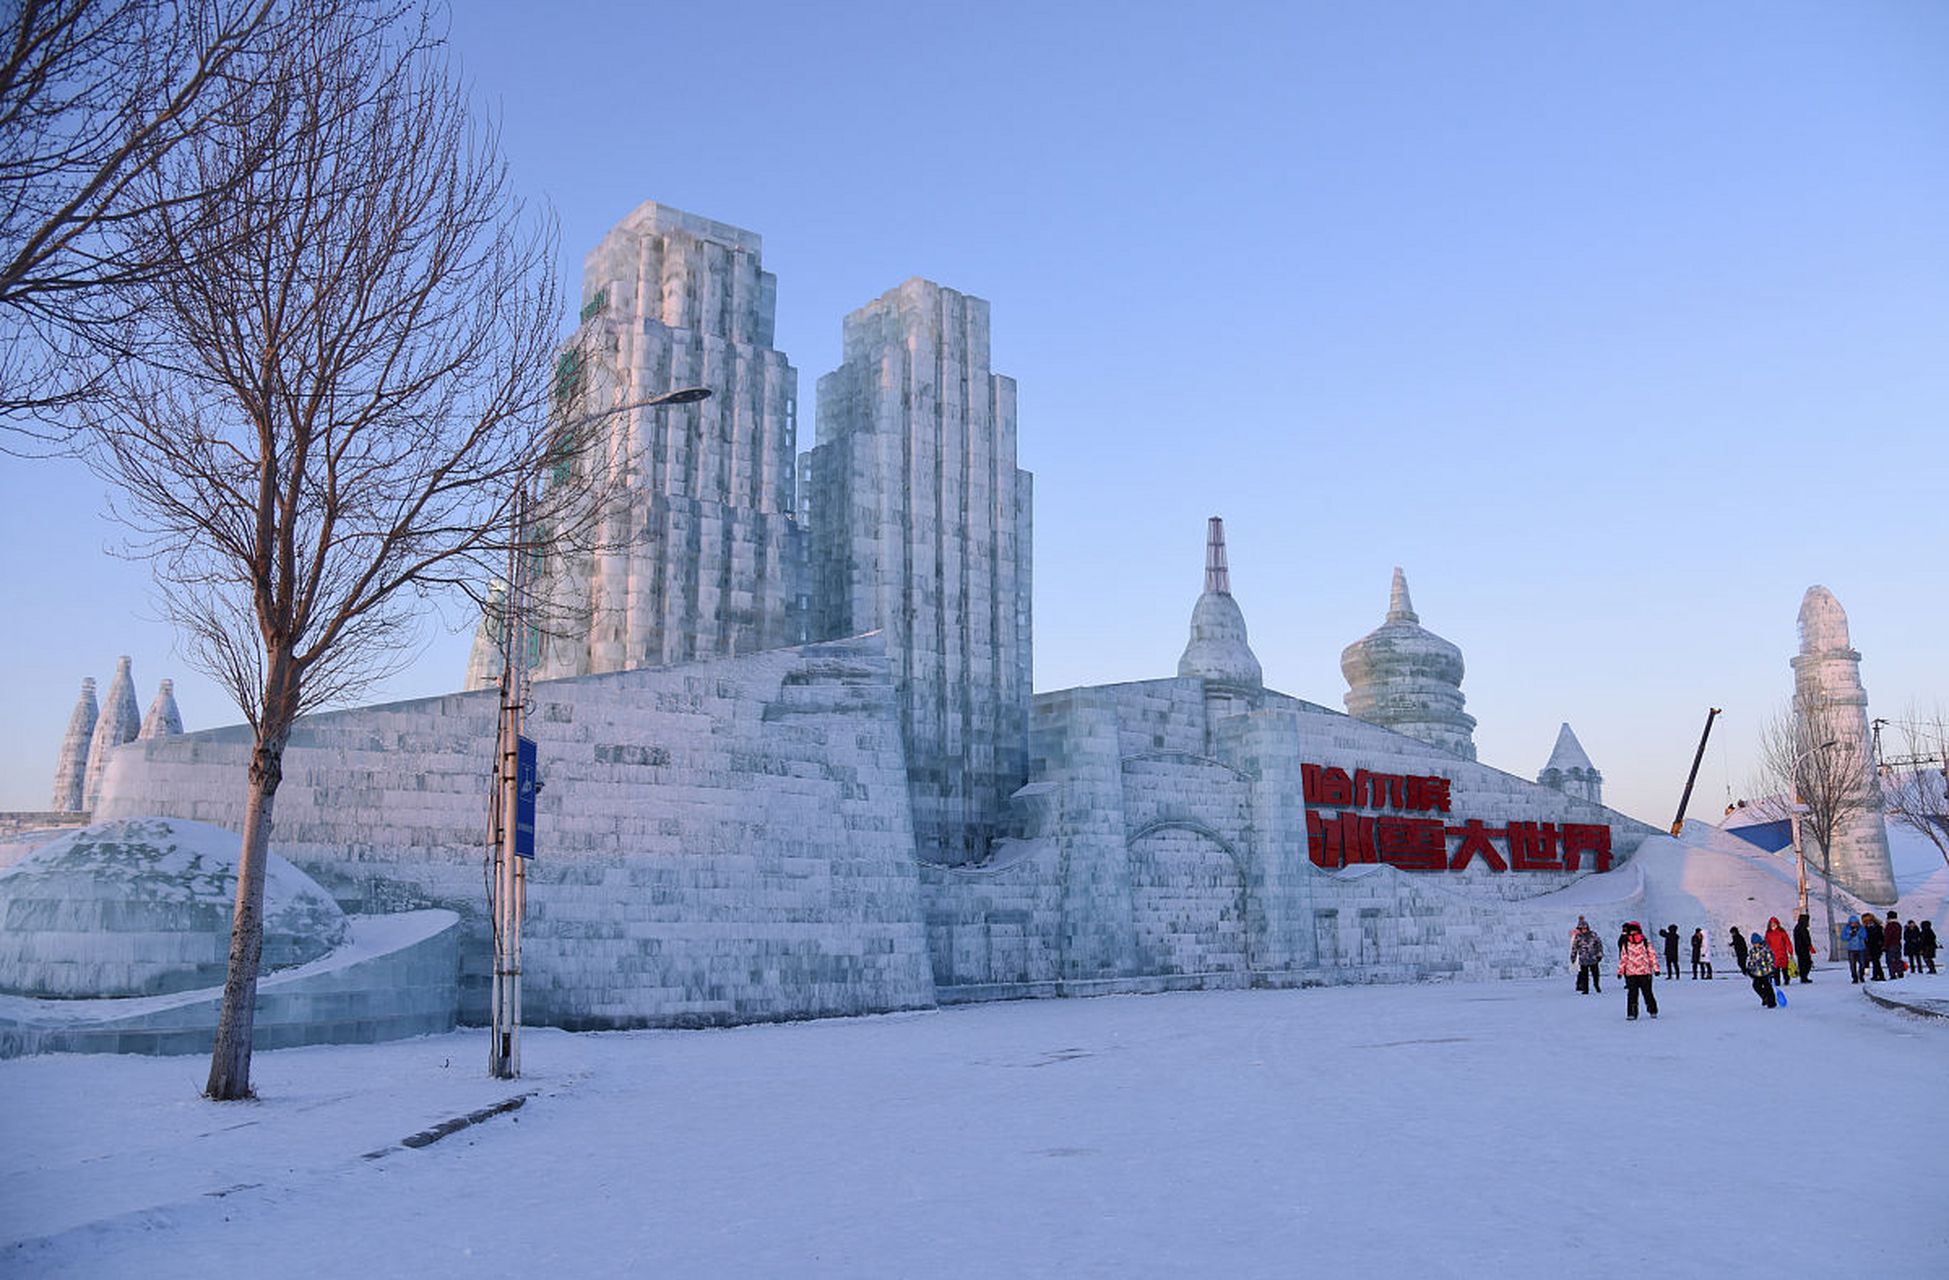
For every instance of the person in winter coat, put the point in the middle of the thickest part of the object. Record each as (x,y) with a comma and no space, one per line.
(1912,946)
(1872,935)
(1891,944)
(1637,965)
(1781,946)
(1587,952)
(1926,947)
(1759,967)
(1705,952)
(1670,934)
(1698,954)
(1857,951)
(1739,948)
(1803,946)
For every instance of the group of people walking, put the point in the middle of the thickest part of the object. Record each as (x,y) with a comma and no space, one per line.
(1771,960)
(1907,946)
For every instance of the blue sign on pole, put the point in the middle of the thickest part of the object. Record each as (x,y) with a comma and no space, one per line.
(527,781)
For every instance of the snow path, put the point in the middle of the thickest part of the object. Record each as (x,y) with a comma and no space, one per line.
(1433,1131)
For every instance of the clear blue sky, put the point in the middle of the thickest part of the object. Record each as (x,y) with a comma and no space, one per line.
(1616,326)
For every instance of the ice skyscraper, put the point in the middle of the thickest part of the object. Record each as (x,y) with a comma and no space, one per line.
(921,528)
(704,558)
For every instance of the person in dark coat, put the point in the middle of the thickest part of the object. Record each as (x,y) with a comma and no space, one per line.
(1912,946)
(1739,948)
(1872,935)
(1891,944)
(1803,946)
(1927,951)
(1670,934)
(1699,969)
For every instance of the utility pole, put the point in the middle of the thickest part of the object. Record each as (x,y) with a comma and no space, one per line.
(511,797)
(509,881)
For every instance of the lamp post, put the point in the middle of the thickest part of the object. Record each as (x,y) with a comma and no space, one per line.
(508,878)
(1799,852)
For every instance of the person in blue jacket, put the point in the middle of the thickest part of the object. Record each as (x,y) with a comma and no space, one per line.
(1857,950)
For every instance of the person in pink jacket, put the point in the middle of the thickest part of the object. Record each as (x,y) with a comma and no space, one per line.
(1637,964)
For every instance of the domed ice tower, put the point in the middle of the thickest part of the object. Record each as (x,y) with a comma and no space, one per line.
(1218,652)
(1404,677)
(1827,688)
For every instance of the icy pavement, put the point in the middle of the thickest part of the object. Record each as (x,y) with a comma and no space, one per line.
(1438,1130)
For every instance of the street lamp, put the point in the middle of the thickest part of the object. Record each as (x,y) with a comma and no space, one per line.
(510,813)
(1794,807)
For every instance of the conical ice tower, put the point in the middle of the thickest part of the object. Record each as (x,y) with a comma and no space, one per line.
(163,718)
(71,770)
(120,720)
(1570,771)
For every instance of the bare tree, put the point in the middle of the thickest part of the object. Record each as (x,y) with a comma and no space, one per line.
(1915,776)
(342,404)
(94,95)
(1816,772)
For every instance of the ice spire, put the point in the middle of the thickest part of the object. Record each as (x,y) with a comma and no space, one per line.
(119,721)
(163,718)
(1218,579)
(1399,607)
(71,770)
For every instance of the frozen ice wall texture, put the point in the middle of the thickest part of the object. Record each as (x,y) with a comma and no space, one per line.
(1827,688)
(921,528)
(721,841)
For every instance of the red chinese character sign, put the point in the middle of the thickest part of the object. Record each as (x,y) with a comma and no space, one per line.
(1412,838)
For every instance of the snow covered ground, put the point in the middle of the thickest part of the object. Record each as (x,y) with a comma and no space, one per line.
(1509,1129)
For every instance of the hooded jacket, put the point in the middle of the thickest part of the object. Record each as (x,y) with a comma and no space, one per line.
(1637,960)
(1778,943)
(1759,959)
(1851,935)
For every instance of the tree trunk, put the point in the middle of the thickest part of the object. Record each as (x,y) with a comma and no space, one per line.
(230,1059)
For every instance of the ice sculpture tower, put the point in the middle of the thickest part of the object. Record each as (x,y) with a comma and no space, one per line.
(920,528)
(1830,702)
(1404,677)
(1218,652)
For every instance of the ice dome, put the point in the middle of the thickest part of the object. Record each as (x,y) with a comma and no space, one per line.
(142,906)
(1405,677)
